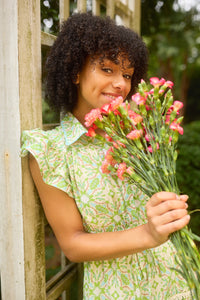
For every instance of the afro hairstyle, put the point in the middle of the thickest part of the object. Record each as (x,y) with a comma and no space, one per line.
(84,35)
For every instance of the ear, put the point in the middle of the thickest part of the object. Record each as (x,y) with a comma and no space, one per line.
(76,81)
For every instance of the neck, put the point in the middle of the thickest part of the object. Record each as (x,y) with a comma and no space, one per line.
(79,115)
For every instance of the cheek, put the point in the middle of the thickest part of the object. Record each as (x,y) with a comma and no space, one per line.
(128,88)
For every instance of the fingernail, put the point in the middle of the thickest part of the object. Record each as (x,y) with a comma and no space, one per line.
(186,205)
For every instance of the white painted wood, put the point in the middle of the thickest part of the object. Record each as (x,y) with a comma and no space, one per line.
(11,220)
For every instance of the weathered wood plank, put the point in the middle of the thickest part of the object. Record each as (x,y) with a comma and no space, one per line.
(64,10)
(31,117)
(47,39)
(62,285)
(11,220)
(136,17)
(82,5)
(110,9)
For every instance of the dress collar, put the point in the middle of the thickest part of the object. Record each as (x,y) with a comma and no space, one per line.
(72,129)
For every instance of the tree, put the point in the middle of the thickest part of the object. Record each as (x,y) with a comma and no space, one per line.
(172,36)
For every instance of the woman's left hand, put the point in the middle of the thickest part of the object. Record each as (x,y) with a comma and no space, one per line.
(166,213)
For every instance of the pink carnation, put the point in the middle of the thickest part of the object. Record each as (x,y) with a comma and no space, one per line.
(130,170)
(169,84)
(121,170)
(155,81)
(138,99)
(126,106)
(92,116)
(177,105)
(151,149)
(148,137)
(176,127)
(109,156)
(167,120)
(116,103)
(135,134)
(135,118)
(104,167)
(91,132)
(118,144)
(108,138)
(105,108)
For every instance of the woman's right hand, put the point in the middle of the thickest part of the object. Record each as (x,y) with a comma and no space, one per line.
(166,213)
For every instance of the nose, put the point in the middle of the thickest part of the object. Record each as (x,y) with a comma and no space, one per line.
(119,83)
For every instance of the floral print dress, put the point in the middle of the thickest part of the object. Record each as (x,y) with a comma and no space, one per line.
(71,161)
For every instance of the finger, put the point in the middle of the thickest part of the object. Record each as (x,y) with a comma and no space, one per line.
(169,205)
(175,225)
(184,197)
(162,196)
(171,216)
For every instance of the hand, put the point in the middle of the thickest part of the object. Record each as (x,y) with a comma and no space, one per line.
(166,213)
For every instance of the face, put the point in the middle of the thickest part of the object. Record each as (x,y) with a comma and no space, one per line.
(100,82)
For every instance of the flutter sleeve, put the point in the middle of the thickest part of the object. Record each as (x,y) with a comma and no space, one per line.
(49,150)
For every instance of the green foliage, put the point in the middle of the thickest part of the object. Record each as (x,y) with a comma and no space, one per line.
(48,115)
(188,169)
(172,36)
(49,254)
(50,13)
(193,105)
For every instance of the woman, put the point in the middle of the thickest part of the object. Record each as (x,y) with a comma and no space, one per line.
(119,234)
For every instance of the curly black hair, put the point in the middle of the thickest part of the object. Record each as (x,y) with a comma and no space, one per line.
(84,35)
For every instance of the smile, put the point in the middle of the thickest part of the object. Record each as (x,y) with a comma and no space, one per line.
(111,96)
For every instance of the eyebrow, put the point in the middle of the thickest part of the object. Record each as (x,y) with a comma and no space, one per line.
(116,63)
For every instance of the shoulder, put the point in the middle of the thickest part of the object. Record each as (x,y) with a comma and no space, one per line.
(38,140)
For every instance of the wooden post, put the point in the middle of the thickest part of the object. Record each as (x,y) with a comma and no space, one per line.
(64,6)
(136,16)
(96,7)
(110,8)
(81,5)
(11,219)
(31,116)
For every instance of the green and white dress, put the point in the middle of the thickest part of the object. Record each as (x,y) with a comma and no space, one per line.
(71,161)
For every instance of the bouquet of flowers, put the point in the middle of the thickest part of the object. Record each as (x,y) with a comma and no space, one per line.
(143,149)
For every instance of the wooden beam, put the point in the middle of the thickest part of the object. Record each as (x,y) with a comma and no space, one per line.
(47,39)
(29,47)
(62,285)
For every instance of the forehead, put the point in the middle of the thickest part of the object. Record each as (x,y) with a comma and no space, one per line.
(121,60)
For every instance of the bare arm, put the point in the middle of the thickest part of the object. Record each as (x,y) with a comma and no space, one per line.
(164,217)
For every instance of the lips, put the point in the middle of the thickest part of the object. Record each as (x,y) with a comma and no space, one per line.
(111,96)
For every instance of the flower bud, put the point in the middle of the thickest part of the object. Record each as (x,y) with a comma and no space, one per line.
(163,132)
(175,155)
(158,104)
(172,116)
(151,121)
(143,110)
(169,102)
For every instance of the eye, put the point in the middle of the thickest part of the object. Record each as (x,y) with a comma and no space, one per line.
(107,70)
(128,76)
